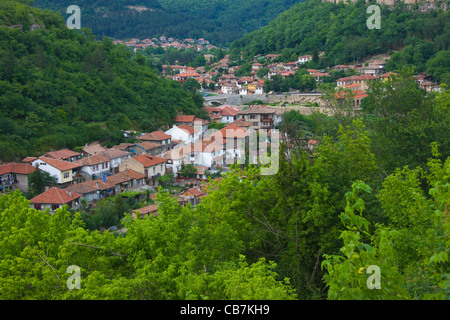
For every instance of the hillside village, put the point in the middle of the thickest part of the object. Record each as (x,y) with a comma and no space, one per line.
(222,77)
(98,172)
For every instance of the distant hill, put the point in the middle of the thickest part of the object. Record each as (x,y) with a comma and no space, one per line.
(61,88)
(340,32)
(219,21)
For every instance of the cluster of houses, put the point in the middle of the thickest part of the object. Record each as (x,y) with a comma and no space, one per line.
(166,42)
(359,84)
(97,172)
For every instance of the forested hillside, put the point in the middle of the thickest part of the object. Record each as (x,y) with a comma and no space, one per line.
(62,88)
(341,33)
(220,22)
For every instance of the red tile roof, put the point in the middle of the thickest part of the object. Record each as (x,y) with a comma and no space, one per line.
(155,136)
(188,128)
(29,159)
(133,174)
(149,161)
(62,154)
(182,118)
(60,164)
(148,210)
(55,196)
(148,145)
(93,160)
(18,168)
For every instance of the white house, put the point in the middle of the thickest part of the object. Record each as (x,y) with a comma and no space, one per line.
(95,166)
(304,59)
(208,153)
(116,156)
(185,133)
(64,171)
(228,115)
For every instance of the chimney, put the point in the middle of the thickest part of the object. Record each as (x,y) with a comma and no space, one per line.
(96,184)
(46,188)
(69,193)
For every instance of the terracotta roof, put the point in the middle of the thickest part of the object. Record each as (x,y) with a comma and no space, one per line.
(148,210)
(90,186)
(29,159)
(55,196)
(114,153)
(155,136)
(229,112)
(62,154)
(118,178)
(195,192)
(241,123)
(94,148)
(231,131)
(60,164)
(134,174)
(149,161)
(258,110)
(181,118)
(93,160)
(123,146)
(188,128)
(19,168)
(148,145)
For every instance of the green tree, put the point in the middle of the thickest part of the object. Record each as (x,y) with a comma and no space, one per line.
(38,180)
(191,85)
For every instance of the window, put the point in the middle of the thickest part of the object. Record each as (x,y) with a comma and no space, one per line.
(66,175)
(154,170)
(252,116)
(161,167)
(255,124)
(96,168)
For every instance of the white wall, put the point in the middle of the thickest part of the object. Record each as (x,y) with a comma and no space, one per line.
(48,168)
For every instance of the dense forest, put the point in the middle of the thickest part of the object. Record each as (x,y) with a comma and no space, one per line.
(62,88)
(341,33)
(219,21)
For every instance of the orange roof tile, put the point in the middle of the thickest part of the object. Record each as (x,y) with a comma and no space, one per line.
(55,196)
(149,161)
(62,154)
(93,160)
(60,164)
(155,136)
(19,168)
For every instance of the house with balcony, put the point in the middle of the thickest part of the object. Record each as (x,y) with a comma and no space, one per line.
(66,173)
(15,176)
(94,167)
(260,117)
(116,156)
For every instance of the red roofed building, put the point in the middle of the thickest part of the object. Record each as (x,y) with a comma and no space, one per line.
(151,210)
(55,198)
(95,166)
(149,166)
(65,172)
(15,176)
(64,154)
(158,137)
